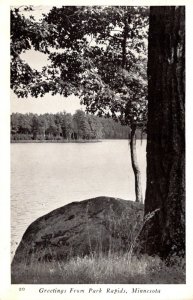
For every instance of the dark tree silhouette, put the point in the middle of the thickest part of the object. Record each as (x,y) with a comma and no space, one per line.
(164,233)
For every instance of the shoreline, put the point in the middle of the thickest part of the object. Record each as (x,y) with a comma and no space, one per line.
(54,141)
(64,141)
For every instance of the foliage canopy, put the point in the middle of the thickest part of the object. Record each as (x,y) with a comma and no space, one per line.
(98,53)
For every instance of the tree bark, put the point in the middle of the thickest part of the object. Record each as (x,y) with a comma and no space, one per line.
(164,233)
(135,166)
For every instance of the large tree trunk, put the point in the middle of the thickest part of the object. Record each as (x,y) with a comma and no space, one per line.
(164,233)
(135,166)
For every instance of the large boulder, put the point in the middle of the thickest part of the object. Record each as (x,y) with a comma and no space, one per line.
(96,225)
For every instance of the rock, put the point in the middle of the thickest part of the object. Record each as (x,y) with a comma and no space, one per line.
(96,225)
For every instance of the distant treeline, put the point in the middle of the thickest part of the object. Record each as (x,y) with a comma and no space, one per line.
(64,126)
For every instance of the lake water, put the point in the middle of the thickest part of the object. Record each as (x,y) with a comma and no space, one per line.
(47,176)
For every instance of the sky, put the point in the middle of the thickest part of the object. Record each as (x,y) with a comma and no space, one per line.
(48,103)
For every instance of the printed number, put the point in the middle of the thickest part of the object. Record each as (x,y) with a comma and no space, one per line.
(22,289)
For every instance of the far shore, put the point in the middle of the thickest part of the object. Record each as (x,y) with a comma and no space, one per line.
(55,141)
(64,141)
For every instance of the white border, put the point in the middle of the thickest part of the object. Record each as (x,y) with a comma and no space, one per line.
(8,291)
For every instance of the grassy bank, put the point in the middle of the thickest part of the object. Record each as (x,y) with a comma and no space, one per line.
(102,269)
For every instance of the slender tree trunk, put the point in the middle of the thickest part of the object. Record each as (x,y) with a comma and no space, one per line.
(135,166)
(164,233)
(124,42)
